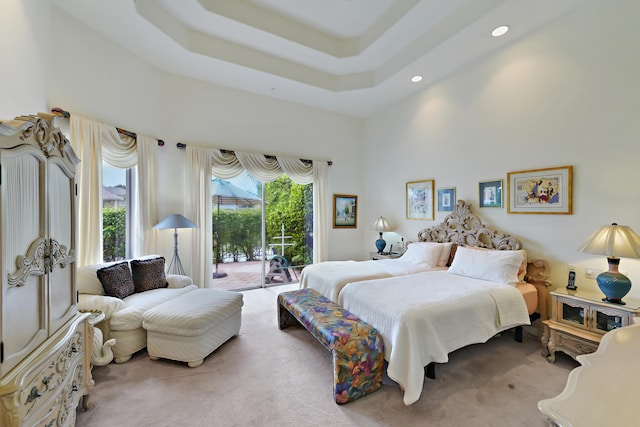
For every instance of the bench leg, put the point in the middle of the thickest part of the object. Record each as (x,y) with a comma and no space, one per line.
(357,373)
(285,318)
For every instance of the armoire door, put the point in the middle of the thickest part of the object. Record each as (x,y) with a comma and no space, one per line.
(61,209)
(23,325)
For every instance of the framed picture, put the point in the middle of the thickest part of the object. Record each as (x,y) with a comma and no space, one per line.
(490,194)
(345,211)
(420,200)
(446,198)
(542,191)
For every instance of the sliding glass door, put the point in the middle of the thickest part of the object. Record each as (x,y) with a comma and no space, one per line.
(262,232)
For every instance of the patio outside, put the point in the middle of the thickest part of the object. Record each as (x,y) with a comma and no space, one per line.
(247,274)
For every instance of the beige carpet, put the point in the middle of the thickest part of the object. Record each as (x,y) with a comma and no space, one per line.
(268,377)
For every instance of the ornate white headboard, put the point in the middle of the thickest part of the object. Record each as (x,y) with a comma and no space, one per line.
(464,228)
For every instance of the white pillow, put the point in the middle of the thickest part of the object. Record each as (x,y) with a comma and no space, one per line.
(491,265)
(422,254)
(445,251)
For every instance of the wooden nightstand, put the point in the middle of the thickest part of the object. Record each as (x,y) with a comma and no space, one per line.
(386,255)
(580,318)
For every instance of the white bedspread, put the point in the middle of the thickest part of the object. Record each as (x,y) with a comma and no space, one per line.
(423,317)
(330,277)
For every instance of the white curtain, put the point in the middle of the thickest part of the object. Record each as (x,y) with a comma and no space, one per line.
(204,163)
(86,137)
(199,162)
(94,141)
(146,209)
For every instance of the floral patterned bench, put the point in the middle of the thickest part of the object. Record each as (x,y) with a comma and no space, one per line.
(358,350)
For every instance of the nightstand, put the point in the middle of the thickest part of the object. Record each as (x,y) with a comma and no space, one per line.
(580,318)
(386,255)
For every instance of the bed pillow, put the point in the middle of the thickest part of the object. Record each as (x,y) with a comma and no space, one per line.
(492,265)
(116,280)
(148,274)
(445,251)
(422,253)
(522,271)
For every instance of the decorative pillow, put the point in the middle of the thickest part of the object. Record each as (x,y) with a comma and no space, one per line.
(491,265)
(422,253)
(148,274)
(116,280)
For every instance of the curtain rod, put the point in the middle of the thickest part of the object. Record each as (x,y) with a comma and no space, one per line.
(180,145)
(65,114)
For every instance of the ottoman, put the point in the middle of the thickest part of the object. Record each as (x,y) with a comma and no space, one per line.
(190,327)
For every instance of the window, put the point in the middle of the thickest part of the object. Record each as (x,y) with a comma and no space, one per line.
(117,210)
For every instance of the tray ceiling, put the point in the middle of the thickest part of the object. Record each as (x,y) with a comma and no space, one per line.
(349,56)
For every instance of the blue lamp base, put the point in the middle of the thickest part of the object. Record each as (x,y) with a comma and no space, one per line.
(380,244)
(613,284)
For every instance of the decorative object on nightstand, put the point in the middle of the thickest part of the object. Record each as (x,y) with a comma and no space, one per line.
(614,241)
(380,225)
(175,221)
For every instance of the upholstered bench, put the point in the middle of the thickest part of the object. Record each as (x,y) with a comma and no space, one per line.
(191,326)
(358,350)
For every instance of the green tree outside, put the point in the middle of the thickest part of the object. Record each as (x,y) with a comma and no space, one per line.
(288,203)
(114,224)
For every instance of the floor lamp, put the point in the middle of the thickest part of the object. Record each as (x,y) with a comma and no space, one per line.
(175,221)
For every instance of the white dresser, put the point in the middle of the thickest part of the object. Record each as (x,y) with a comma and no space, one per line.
(45,344)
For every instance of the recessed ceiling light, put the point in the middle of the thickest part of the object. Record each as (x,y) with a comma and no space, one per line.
(416,79)
(500,31)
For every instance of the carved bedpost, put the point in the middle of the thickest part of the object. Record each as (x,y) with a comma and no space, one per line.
(538,272)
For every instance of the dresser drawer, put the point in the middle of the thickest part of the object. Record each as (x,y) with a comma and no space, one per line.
(573,345)
(49,384)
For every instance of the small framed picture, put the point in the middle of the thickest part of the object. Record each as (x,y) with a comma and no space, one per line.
(490,194)
(420,199)
(446,198)
(345,211)
(540,191)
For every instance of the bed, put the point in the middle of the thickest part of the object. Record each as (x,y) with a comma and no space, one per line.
(434,250)
(330,277)
(425,315)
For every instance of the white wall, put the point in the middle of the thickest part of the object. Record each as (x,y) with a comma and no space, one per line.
(567,95)
(24,43)
(96,78)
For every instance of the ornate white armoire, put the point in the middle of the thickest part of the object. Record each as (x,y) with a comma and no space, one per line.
(45,344)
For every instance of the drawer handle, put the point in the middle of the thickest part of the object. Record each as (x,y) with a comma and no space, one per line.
(36,393)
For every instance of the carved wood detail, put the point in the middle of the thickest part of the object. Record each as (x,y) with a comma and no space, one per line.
(464,228)
(33,263)
(49,137)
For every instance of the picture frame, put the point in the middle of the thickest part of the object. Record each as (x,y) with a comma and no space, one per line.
(446,199)
(420,199)
(345,211)
(490,194)
(540,191)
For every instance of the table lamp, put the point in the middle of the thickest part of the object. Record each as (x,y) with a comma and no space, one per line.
(380,225)
(175,221)
(614,241)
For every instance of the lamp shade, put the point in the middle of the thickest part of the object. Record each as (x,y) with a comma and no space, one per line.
(175,221)
(613,241)
(381,225)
